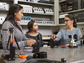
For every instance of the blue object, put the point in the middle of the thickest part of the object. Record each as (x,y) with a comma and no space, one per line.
(27,18)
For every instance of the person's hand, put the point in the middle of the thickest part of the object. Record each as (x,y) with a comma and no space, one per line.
(53,37)
(67,45)
(81,37)
(31,42)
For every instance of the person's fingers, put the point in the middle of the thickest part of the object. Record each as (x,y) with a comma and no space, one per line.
(55,36)
(30,45)
(31,42)
(67,45)
(52,36)
(81,36)
(34,41)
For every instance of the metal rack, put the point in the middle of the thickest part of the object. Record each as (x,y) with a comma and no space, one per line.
(74,12)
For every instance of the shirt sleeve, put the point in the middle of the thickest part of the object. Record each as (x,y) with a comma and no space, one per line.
(79,34)
(5,34)
(59,35)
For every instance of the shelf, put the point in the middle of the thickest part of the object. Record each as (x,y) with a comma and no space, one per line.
(73,11)
(6,0)
(39,14)
(24,23)
(3,10)
(62,1)
(41,24)
(47,24)
(60,25)
(45,38)
(79,23)
(45,4)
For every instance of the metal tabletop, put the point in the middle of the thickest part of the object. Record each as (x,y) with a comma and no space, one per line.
(72,55)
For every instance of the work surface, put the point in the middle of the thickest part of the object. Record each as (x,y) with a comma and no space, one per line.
(72,55)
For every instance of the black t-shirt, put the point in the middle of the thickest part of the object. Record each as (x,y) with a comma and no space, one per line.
(38,38)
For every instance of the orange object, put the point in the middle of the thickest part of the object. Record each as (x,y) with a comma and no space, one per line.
(13,41)
(23,56)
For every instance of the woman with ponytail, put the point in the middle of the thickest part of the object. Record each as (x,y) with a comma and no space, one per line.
(71,29)
(15,14)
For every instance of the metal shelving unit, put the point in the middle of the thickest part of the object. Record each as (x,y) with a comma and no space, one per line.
(62,1)
(55,6)
(55,15)
(74,12)
(80,23)
(46,24)
(3,11)
(40,14)
(43,26)
(44,4)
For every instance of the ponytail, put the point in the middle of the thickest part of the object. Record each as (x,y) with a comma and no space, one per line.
(75,24)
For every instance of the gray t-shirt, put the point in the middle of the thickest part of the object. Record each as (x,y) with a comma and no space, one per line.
(20,37)
(63,35)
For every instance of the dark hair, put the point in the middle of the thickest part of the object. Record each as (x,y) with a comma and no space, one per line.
(30,25)
(10,16)
(71,17)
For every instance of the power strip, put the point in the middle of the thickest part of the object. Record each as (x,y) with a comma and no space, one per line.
(27,8)
(38,10)
(48,11)
(45,22)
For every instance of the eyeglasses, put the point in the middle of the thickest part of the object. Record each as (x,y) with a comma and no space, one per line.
(66,20)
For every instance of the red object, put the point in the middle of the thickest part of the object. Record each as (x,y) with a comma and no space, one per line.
(63,46)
